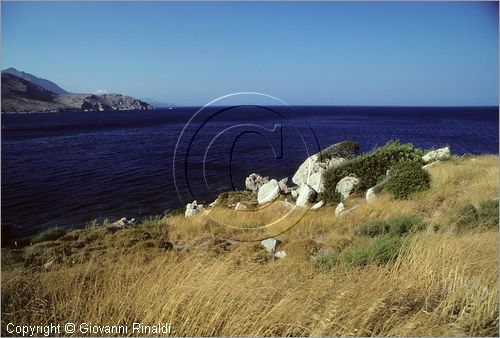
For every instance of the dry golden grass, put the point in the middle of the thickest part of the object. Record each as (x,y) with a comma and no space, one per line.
(443,283)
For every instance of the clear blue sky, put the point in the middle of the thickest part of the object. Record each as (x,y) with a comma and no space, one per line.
(303,53)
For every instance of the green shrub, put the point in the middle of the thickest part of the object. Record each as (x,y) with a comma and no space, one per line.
(50,234)
(379,250)
(396,226)
(330,196)
(373,229)
(345,149)
(369,167)
(466,218)
(406,224)
(407,178)
(327,261)
(488,213)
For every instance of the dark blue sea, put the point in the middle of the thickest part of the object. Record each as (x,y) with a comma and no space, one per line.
(69,168)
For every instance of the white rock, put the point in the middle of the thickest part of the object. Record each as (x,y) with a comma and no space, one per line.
(280,255)
(316,182)
(295,193)
(346,185)
(318,205)
(193,209)
(122,223)
(255,181)
(370,195)
(306,195)
(240,206)
(269,244)
(313,165)
(439,154)
(339,209)
(268,192)
(283,185)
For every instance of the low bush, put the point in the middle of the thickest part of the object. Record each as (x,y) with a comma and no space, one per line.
(407,178)
(369,167)
(326,262)
(373,229)
(488,213)
(397,226)
(379,250)
(406,224)
(468,217)
(50,234)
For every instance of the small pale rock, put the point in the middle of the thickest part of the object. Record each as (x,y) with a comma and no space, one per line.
(255,181)
(295,193)
(280,255)
(193,209)
(268,192)
(240,206)
(318,205)
(269,244)
(306,195)
(339,209)
(370,195)
(438,154)
(346,185)
(283,185)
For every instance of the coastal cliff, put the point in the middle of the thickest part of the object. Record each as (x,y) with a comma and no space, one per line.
(22,96)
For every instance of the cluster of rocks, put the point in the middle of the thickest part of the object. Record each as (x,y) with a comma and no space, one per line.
(194,208)
(308,181)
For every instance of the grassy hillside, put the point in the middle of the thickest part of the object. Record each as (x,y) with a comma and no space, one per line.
(437,279)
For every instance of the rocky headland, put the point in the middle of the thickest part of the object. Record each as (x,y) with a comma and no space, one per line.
(25,93)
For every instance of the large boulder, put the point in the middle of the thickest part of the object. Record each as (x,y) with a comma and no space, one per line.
(306,195)
(316,182)
(193,209)
(438,154)
(332,156)
(346,185)
(268,192)
(255,181)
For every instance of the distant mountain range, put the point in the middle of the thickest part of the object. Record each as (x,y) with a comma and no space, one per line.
(26,93)
(46,84)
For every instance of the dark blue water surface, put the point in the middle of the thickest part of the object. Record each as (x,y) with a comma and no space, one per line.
(69,168)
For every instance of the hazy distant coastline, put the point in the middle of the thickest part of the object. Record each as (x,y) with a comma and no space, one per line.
(26,93)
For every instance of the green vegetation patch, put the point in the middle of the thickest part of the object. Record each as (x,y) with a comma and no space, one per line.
(407,178)
(370,167)
(469,217)
(396,226)
(379,250)
(50,234)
